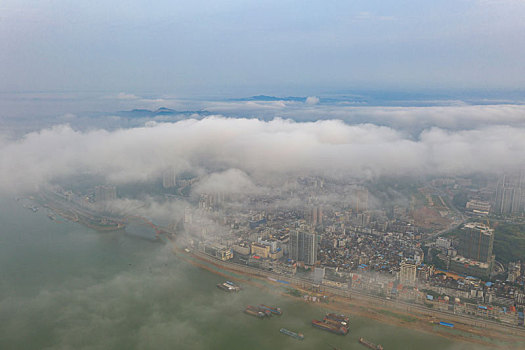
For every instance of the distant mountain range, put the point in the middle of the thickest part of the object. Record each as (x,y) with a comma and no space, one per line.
(162,111)
(324,99)
(270,98)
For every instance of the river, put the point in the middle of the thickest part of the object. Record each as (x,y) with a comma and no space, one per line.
(65,286)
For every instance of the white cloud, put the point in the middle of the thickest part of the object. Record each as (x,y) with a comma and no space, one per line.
(312,100)
(125,96)
(232,181)
(450,114)
(257,148)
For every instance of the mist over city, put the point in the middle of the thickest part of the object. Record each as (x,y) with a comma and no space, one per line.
(274,175)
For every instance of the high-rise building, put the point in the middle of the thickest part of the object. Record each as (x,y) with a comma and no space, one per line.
(169,178)
(514,271)
(476,242)
(510,194)
(293,246)
(361,199)
(407,273)
(316,216)
(105,193)
(303,247)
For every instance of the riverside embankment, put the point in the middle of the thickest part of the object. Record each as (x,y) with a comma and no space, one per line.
(421,317)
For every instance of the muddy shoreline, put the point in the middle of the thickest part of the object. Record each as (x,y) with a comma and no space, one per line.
(364,307)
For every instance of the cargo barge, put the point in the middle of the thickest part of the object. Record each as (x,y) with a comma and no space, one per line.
(337,329)
(341,318)
(266,312)
(254,311)
(228,286)
(273,310)
(334,322)
(369,344)
(299,336)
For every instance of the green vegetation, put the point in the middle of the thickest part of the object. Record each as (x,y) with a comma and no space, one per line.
(451,234)
(438,203)
(405,318)
(436,261)
(509,242)
(294,292)
(460,200)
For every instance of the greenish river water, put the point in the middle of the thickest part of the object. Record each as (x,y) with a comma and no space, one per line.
(64,286)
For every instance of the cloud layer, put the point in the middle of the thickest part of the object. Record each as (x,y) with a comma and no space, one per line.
(444,114)
(257,148)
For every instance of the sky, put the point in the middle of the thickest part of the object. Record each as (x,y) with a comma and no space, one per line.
(283,46)
(71,72)
(69,59)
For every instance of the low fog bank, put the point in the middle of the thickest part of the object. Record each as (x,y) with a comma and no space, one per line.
(245,152)
(449,115)
(139,307)
(159,303)
(410,113)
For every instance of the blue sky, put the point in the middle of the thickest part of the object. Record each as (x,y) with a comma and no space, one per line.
(289,47)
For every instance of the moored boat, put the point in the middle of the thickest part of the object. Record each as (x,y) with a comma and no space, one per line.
(266,312)
(273,310)
(335,322)
(369,344)
(330,327)
(254,311)
(336,317)
(299,336)
(228,287)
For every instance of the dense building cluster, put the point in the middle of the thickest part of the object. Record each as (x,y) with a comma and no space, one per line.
(360,236)
(347,243)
